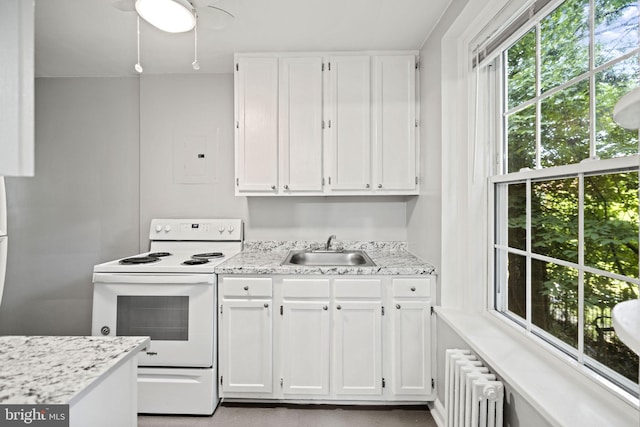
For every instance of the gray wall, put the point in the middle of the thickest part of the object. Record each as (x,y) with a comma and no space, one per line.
(81,208)
(106,151)
(175,109)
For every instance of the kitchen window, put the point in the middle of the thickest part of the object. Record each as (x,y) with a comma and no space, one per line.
(565,187)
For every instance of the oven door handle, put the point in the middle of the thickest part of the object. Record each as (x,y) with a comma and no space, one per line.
(190,279)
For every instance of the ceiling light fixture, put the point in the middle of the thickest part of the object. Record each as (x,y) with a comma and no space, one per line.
(138,67)
(172,16)
(195,64)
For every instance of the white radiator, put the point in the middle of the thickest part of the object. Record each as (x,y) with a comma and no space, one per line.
(473,396)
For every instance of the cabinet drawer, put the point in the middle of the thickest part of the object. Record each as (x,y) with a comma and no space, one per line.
(357,288)
(246,287)
(305,288)
(411,287)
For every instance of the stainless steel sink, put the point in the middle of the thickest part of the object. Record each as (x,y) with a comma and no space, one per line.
(355,258)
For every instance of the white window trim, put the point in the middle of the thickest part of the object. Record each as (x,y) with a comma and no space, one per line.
(466,276)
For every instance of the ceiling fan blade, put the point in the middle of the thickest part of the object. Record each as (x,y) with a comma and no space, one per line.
(213,17)
(124,5)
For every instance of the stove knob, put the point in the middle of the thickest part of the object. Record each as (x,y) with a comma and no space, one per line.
(167,228)
(158,228)
(221,229)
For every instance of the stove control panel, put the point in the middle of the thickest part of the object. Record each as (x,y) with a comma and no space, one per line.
(196,229)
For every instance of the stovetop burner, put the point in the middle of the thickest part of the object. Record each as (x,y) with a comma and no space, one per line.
(159,254)
(139,260)
(208,255)
(195,261)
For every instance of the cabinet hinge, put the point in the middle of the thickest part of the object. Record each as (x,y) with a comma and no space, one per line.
(329,124)
(329,66)
(237,182)
(383,310)
(433,383)
(281,382)
(323,66)
(237,124)
(417,64)
(416,180)
(323,124)
(221,379)
(417,123)
(281,311)
(220,308)
(383,383)
(323,181)
(432,310)
(237,67)
(329,180)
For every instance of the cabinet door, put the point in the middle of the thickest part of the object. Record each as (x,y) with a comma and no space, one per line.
(256,124)
(394,107)
(245,347)
(411,347)
(306,347)
(300,127)
(357,347)
(17,88)
(349,123)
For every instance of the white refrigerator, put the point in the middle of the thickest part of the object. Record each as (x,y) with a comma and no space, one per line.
(4,239)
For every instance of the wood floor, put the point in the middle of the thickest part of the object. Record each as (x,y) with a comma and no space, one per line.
(248,415)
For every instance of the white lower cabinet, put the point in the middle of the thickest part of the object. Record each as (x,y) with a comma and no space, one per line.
(410,315)
(246,342)
(305,338)
(333,339)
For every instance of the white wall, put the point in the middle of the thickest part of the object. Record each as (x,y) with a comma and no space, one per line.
(80,209)
(179,108)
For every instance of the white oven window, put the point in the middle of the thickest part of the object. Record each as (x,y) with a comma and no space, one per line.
(164,318)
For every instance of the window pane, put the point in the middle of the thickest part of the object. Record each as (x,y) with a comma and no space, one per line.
(554,218)
(521,70)
(517,297)
(616,29)
(611,84)
(611,223)
(518,216)
(554,300)
(522,139)
(564,42)
(565,126)
(600,340)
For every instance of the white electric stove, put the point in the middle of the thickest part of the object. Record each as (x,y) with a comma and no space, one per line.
(169,295)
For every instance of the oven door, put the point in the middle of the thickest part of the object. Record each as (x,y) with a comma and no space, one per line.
(176,311)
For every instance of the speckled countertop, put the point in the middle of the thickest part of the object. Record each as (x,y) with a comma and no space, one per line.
(57,369)
(265,257)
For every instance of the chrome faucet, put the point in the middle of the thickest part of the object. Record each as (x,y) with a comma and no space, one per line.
(329,240)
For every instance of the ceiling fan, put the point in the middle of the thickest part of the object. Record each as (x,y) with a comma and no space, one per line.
(208,13)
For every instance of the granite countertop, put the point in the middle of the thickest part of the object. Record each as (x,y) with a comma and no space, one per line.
(56,369)
(264,257)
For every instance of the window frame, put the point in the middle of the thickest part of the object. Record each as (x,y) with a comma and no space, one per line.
(500,175)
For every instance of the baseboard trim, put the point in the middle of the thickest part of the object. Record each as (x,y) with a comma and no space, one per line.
(437,412)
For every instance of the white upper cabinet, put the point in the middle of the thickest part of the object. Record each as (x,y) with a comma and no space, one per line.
(326,124)
(256,98)
(394,109)
(349,125)
(300,124)
(17,87)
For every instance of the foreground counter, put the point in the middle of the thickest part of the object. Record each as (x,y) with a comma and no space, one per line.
(94,376)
